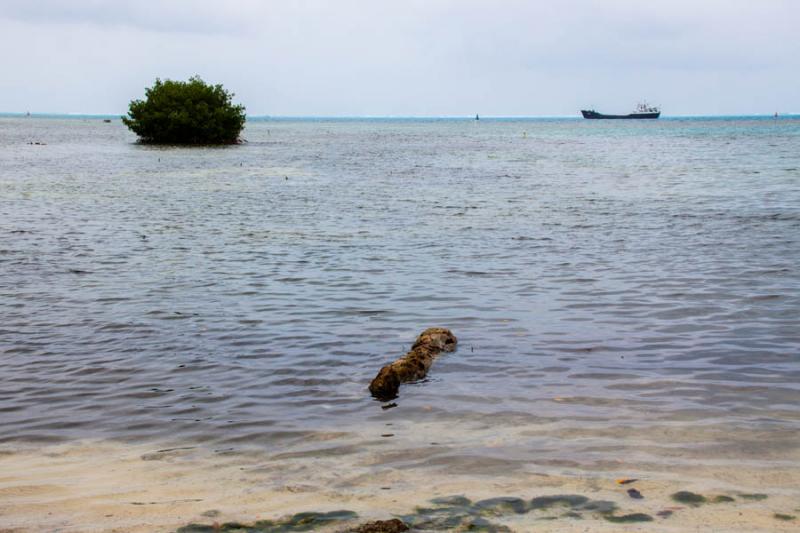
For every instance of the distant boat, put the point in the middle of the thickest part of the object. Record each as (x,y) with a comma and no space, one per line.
(477,117)
(107,120)
(642,111)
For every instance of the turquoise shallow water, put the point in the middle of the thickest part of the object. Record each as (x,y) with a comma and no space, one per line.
(601,277)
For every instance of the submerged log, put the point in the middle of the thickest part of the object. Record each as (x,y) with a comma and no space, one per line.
(414,365)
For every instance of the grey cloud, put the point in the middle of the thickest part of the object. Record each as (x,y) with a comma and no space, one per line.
(411,57)
(168,16)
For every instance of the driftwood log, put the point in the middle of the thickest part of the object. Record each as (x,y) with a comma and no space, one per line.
(414,365)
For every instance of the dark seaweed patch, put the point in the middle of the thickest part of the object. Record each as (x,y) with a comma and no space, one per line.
(754,497)
(689,498)
(484,526)
(784,517)
(629,518)
(599,506)
(452,501)
(566,500)
(502,505)
(458,512)
(437,519)
(308,521)
(722,499)
(381,526)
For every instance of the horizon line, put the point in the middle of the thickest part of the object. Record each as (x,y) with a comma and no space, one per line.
(55,114)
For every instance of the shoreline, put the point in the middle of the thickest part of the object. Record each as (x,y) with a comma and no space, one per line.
(407,118)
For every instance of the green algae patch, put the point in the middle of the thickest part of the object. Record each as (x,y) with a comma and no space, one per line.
(629,518)
(308,521)
(784,517)
(484,526)
(753,497)
(723,499)
(458,513)
(502,505)
(599,506)
(202,528)
(438,519)
(689,498)
(452,501)
(562,500)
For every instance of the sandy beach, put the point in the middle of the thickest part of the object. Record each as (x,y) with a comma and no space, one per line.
(107,486)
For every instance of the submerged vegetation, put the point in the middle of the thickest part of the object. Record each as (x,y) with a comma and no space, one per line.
(186,112)
(307,521)
(459,513)
(689,498)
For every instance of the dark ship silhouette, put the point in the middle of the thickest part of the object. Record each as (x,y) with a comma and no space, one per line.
(642,111)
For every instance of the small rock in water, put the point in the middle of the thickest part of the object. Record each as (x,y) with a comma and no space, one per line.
(635,494)
(665,513)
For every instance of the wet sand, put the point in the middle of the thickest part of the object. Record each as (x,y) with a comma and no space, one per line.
(110,486)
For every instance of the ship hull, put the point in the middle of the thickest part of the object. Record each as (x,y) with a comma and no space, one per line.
(596,115)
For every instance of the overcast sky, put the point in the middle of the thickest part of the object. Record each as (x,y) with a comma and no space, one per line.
(407,57)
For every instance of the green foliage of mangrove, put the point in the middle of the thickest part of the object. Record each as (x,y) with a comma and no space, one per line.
(186,112)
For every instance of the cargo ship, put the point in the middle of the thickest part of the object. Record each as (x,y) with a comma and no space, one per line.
(642,111)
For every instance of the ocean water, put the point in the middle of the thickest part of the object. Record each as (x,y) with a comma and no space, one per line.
(617,288)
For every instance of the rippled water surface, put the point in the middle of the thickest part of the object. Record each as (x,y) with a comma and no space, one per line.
(600,276)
